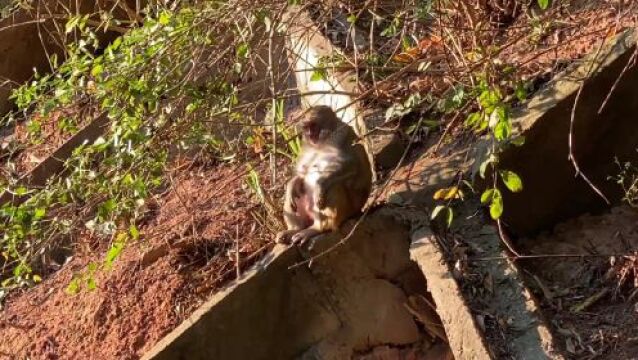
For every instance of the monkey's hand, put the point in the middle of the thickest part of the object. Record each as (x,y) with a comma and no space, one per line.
(284,237)
(304,235)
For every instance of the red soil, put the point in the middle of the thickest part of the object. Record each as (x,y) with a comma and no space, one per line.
(147,293)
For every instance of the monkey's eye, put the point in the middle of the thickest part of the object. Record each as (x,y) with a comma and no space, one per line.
(311,131)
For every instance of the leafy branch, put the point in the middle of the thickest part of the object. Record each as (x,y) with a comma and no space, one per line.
(170,85)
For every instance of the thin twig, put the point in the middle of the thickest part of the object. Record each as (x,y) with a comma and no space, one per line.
(273,104)
(545,256)
(572,121)
(630,63)
(450,126)
(506,240)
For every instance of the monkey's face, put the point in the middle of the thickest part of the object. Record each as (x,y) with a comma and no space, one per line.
(319,125)
(313,133)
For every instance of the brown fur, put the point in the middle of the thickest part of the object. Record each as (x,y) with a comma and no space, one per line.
(333,178)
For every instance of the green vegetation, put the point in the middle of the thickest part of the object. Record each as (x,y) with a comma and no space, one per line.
(173,83)
(166,86)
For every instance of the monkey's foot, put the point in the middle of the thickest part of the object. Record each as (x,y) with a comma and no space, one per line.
(304,235)
(284,237)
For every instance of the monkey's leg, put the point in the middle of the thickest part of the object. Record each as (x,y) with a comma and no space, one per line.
(295,210)
(337,209)
(325,221)
(322,223)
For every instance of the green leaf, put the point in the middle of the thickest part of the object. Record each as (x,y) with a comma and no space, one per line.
(115,250)
(450,217)
(319,74)
(468,185)
(97,70)
(494,118)
(436,211)
(113,253)
(71,24)
(483,168)
(164,18)
(518,141)
(190,108)
(544,4)
(392,29)
(406,43)
(449,214)
(459,96)
(128,180)
(116,44)
(496,207)
(352,18)
(473,119)
(520,91)
(135,233)
(453,101)
(20,270)
(107,208)
(512,181)
(90,283)
(487,195)
(481,126)
(502,131)
(39,213)
(92,267)
(242,50)
(74,286)
(488,99)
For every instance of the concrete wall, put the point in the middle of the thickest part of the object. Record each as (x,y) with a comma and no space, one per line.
(25,42)
(351,299)
(552,193)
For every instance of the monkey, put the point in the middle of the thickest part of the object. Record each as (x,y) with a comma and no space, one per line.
(332,180)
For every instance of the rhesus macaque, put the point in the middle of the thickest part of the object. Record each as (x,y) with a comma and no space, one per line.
(332,180)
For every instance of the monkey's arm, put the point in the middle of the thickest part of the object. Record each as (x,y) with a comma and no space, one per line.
(352,163)
(337,173)
(336,176)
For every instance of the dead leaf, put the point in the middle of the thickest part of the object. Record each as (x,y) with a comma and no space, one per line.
(433,41)
(448,193)
(407,56)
